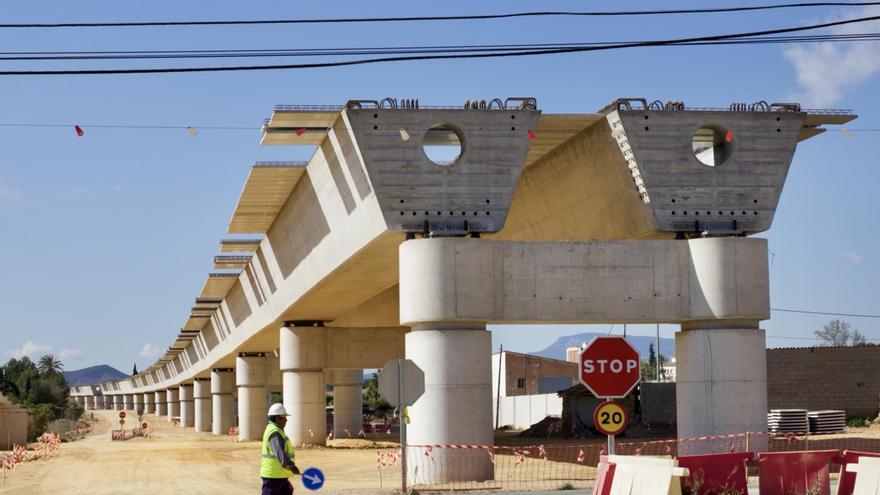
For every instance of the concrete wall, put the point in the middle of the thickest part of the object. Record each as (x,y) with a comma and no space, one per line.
(658,402)
(13,425)
(825,378)
(523,411)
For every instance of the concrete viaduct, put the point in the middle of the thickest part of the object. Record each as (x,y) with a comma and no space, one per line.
(639,213)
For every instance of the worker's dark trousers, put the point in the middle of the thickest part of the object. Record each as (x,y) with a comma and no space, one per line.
(276,486)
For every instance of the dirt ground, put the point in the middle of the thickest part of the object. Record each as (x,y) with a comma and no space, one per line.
(175,460)
(178,461)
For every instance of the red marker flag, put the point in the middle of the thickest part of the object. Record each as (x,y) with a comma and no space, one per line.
(300,131)
(79,131)
(729,137)
(531,135)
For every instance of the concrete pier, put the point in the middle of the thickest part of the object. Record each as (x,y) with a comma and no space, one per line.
(172,404)
(138,403)
(202,398)
(250,377)
(721,383)
(161,400)
(347,402)
(302,362)
(187,406)
(222,404)
(129,402)
(117,402)
(149,403)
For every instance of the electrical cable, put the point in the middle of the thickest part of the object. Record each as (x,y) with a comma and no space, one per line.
(436,57)
(348,51)
(351,20)
(824,313)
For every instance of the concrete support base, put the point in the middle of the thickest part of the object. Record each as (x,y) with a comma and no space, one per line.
(250,376)
(302,361)
(138,403)
(347,402)
(117,402)
(721,382)
(202,398)
(172,395)
(457,405)
(128,402)
(222,386)
(161,404)
(187,406)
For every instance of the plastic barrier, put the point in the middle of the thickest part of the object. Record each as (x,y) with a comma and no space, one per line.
(848,479)
(604,477)
(867,472)
(715,473)
(795,472)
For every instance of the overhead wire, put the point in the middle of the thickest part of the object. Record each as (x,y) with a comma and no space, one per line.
(398,50)
(513,15)
(501,54)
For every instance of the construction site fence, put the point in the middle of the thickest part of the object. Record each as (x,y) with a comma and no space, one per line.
(569,466)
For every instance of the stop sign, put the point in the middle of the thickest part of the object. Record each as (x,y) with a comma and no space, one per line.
(610,367)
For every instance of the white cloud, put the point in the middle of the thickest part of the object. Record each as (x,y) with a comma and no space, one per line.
(72,354)
(149,351)
(9,193)
(826,71)
(853,257)
(30,349)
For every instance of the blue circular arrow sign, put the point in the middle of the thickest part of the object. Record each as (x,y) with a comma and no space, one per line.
(313,478)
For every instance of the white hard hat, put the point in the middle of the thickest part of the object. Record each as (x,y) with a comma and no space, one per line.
(277,410)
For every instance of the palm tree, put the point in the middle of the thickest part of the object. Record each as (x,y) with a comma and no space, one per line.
(49,364)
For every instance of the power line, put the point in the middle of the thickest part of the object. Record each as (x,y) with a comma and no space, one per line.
(351,20)
(398,50)
(562,50)
(803,311)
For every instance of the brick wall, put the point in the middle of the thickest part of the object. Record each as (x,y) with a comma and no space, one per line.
(825,378)
(529,369)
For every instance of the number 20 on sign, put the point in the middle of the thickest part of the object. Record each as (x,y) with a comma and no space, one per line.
(610,418)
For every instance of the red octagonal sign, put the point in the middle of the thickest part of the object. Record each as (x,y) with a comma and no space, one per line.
(610,367)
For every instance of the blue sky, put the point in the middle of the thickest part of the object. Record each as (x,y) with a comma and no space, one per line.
(107,238)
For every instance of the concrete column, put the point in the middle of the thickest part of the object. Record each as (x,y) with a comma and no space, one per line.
(117,402)
(347,402)
(202,398)
(441,299)
(108,402)
(172,406)
(456,407)
(149,403)
(222,386)
(187,405)
(138,403)
(302,362)
(96,402)
(160,398)
(250,376)
(129,402)
(721,383)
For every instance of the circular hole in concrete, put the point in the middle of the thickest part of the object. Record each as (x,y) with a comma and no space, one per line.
(712,145)
(442,145)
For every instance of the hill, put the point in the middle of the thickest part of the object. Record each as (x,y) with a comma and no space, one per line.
(556,350)
(93,375)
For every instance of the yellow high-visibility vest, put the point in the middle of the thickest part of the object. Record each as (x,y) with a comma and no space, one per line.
(270,466)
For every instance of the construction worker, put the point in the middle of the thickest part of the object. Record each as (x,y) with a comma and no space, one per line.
(277,462)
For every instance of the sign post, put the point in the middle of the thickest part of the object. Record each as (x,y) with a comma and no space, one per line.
(401,383)
(610,368)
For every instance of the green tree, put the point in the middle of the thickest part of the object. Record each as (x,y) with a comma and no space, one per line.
(372,399)
(49,364)
(45,395)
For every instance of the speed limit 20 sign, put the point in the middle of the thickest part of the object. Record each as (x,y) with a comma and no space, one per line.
(610,418)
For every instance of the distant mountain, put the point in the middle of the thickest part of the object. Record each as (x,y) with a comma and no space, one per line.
(93,375)
(557,349)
